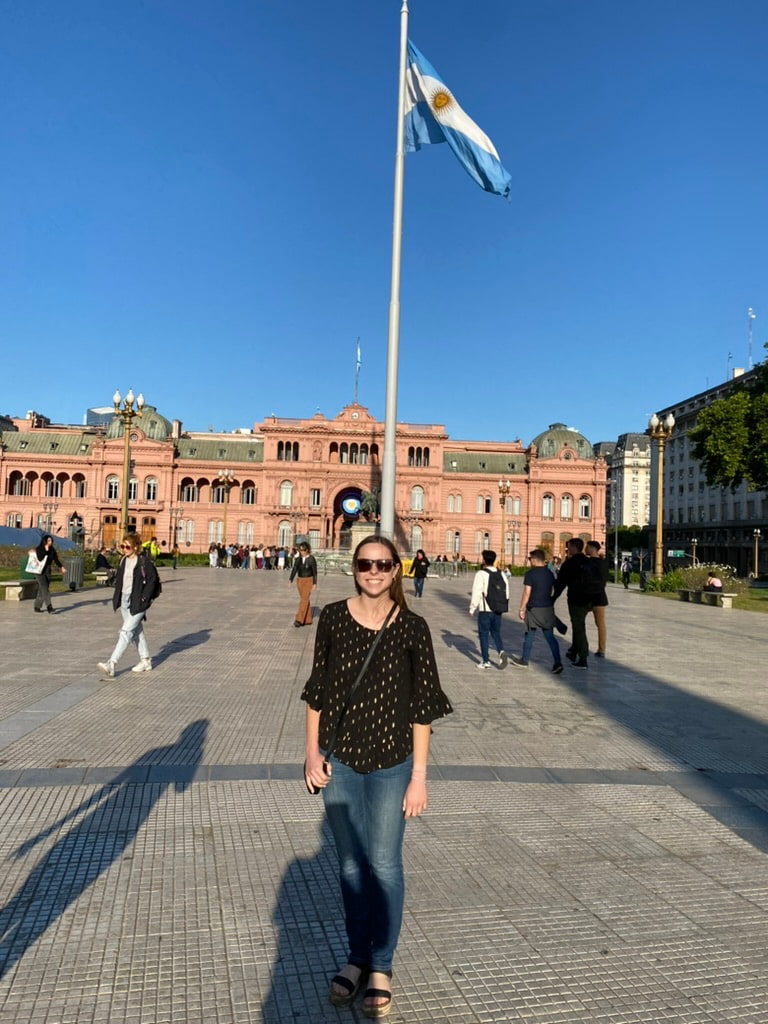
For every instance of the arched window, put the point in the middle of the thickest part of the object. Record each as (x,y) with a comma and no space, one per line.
(479,545)
(344,453)
(286,494)
(457,542)
(113,488)
(458,503)
(548,507)
(449,540)
(375,454)
(566,507)
(547,542)
(284,533)
(417,499)
(585,507)
(78,484)
(417,537)
(188,490)
(215,531)
(217,493)
(19,485)
(150,489)
(354,453)
(449,505)
(425,457)
(363,454)
(333,452)
(53,488)
(133,489)
(248,493)
(516,505)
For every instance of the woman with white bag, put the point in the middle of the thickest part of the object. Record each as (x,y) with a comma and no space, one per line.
(46,554)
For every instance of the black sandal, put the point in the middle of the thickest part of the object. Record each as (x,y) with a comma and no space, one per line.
(352,987)
(377,1010)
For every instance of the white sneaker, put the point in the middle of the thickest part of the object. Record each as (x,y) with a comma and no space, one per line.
(145,665)
(503,660)
(484,664)
(107,667)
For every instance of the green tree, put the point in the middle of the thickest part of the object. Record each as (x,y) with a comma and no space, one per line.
(730,438)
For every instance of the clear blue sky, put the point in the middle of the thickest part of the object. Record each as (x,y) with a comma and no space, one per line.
(196,201)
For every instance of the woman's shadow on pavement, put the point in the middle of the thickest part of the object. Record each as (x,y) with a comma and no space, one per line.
(311,941)
(111,819)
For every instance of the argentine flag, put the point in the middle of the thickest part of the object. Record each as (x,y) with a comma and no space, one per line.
(433,115)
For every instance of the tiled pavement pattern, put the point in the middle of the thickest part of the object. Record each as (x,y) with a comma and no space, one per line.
(594,851)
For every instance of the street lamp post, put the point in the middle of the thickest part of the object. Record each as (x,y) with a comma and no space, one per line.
(660,431)
(49,507)
(513,525)
(174,513)
(127,414)
(503,495)
(694,545)
(756,535)
(226,478)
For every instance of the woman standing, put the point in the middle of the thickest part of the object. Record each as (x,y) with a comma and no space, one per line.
(419,568)
(135,587)
(369,757)
(305,572)
(46,553)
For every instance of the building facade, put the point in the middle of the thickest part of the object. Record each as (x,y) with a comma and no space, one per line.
(629,479)
(288,478)
(712,524)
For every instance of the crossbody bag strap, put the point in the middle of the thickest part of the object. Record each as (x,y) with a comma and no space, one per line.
(358,680)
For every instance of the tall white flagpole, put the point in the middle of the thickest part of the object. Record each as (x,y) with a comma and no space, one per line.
(387,527)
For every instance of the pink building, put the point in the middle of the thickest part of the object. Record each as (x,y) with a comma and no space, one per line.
(310,477)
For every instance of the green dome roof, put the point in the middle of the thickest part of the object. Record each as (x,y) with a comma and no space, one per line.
(151,424)
(551,442)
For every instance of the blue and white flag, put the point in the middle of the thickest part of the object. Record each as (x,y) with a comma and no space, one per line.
(357,358)
(432,115)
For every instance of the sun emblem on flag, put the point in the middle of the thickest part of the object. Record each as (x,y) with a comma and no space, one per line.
(440,102)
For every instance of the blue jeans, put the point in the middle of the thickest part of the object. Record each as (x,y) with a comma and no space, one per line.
(365,815)
(133,630)
(489,624)
(549,636)
(418,585)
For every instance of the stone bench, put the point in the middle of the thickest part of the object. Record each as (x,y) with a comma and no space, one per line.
(102,577)
(18,590)
(716,598)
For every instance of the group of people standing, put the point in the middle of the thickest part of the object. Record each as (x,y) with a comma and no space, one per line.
(253,556)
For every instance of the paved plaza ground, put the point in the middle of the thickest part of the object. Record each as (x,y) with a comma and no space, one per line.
(594,850)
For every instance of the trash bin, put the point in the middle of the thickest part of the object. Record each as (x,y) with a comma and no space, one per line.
(23,574)
(75,573)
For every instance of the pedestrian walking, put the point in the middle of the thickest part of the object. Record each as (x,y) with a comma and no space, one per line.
(581,577)
(368,757)
(46,553)
(537,610)
(304,571)
(599,599)
(136,586)
(419,569)
(626,570)
(490,599)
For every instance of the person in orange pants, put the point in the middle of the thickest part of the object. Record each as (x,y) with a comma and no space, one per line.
(304,571)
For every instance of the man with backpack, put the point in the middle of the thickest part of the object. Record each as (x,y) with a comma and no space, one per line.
(583,578)
(490,599)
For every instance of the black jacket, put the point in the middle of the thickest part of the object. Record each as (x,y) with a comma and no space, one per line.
(51,558)
(304,567)
(570,577)
(144,583)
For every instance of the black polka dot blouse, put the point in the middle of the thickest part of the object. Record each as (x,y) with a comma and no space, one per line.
(400,687)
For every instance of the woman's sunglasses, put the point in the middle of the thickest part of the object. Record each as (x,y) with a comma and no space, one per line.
(382,564)
(127,547)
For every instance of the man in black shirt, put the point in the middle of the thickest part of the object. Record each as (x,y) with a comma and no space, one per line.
(573,575)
